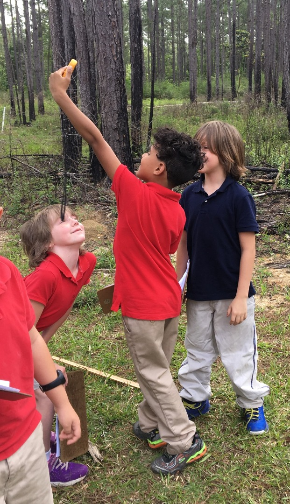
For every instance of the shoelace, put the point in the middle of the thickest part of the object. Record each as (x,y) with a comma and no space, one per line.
(59,464)
(252,413)
(153,434)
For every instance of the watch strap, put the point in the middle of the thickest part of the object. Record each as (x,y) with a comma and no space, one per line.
(60,380)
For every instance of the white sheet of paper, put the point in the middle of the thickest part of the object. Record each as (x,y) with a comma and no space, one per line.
(182,281)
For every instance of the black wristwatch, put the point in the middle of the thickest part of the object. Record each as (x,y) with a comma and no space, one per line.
(60,380)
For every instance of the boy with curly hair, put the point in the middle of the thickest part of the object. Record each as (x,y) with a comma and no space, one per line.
(149,227)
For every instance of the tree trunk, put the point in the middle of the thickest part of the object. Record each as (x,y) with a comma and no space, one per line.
(113,100)
(173,41)
(286,57)
(233,52)
(21,65)
(250,64)
(29,63)
(38,66)
(267,50)
(153,66)
(217,44)
(136,60)
(208,48)
(16,61)
(258,49)
(8,62)
(192,28)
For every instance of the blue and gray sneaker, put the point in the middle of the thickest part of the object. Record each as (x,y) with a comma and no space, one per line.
(256,422)
(195,409)
(153,437)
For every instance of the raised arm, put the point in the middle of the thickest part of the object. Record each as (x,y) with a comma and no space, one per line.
(87,129)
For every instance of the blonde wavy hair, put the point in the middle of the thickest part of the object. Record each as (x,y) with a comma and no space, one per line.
(225,141)
(36,236)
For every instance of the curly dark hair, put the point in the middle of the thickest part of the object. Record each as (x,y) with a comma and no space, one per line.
(180,153)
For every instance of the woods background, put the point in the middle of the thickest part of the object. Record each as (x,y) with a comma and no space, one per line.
(212,50)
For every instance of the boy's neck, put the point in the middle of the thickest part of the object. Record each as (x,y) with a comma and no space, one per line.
(213,181)
(70,256)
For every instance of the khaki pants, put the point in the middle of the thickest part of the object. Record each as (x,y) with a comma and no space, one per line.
(151,345)
(24,477)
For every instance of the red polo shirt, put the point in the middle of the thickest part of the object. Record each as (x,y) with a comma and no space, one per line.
(18,419)
(149,228)
(53,285)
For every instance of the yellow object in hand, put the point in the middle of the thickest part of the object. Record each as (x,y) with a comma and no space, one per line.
(72,63)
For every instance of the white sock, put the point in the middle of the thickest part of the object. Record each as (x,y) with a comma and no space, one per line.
(48,454)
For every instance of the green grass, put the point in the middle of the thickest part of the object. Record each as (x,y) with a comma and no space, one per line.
(238,468)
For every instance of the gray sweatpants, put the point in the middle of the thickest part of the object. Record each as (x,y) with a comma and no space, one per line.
(208,335)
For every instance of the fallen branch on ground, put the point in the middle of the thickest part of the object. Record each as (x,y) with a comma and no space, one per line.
(97,372)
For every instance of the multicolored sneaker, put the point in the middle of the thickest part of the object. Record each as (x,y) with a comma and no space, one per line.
(153,437)
(65,473)
(53,442)
(195,409)
(170,464)
(256,422)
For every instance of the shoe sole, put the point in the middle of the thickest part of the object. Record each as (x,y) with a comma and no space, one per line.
(192,459)
(197,415)
(65,484)
(158,444)
(256,433)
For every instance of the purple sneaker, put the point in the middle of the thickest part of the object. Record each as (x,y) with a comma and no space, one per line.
(65,473)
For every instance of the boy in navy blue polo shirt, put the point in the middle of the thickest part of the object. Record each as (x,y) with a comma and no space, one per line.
(219,240)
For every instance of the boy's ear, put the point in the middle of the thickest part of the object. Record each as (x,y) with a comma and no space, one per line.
(160,169)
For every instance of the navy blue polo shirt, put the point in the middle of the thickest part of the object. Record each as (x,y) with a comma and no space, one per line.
(212,224)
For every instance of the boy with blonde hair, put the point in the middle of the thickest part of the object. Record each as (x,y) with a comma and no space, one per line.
(23,468)
(54,248)
(219,240)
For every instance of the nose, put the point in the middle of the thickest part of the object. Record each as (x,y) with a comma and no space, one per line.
(74,220)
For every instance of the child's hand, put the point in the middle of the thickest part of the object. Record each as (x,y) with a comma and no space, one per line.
(237,311)
(70,422)
(63,370)
(58,83)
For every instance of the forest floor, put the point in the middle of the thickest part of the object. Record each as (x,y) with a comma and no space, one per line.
(237,468)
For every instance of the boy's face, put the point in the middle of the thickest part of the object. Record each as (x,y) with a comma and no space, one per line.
(210,161)
(149,163)
(67,232)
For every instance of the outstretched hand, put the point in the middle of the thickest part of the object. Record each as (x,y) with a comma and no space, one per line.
(59,83)
(71,424)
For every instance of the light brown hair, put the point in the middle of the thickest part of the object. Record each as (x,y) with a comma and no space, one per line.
(225,141)
(36,235)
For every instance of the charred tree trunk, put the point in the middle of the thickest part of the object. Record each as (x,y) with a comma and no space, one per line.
(113,99)
(136,59)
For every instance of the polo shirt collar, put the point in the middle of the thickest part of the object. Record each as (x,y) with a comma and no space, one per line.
(59,263)
(163,191)
(198,187)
